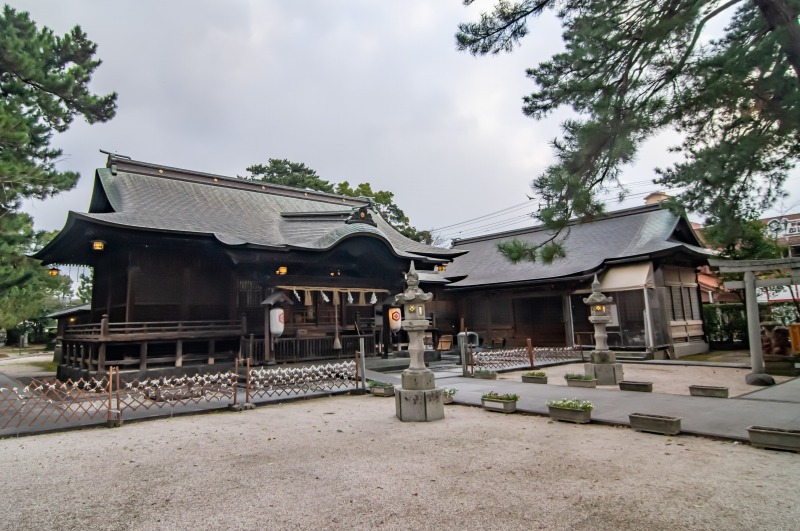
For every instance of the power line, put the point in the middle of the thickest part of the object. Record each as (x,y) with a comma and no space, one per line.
(509,223)
(491,214)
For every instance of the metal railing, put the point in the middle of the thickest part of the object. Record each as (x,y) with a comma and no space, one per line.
(49,404)
(521,358)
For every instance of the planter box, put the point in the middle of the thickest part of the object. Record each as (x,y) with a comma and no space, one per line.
(642,387)
(569,415)
(777,438)
(582,383)
(447,399)
(708,390)
(482,376)
(503,406)
(535,379)
(383,391)
(655,423)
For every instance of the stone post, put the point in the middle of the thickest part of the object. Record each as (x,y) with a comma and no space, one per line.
(418,400)
(603,363)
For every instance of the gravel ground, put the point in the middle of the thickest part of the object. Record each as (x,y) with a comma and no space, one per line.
(346,462)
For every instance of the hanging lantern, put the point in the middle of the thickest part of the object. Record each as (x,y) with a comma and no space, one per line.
(395,319)
(98,245)
(53,271)
(276,320)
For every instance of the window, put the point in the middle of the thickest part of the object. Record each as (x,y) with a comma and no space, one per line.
(684,303)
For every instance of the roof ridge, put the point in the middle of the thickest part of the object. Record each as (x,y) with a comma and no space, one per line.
(116,163)
(574,221)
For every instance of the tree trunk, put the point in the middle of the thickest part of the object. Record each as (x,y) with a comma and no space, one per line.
(781,17)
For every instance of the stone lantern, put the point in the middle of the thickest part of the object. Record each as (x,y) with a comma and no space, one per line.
(418,400)
(603,365)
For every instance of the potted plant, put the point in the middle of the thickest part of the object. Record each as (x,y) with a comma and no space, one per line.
(663,424)
(485,375)
(570,410)
(534,377)
(777,438)
(447,394)
(580,380)
(506,403)
(380,388)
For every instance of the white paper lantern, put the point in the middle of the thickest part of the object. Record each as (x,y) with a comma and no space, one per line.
(395,318)
(276,319)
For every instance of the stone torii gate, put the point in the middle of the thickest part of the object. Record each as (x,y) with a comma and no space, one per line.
(750,283)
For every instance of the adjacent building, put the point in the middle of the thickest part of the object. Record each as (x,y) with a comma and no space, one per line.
(198,269)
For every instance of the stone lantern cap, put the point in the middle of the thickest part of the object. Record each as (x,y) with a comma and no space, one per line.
(413,293)
(597,298)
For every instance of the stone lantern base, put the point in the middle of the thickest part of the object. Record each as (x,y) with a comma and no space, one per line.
(604,368)
(424,405)
(419,400)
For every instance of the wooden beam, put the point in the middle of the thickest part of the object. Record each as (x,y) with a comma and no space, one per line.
(761,283)
(742,266)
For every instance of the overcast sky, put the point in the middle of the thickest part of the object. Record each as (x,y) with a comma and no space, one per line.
(359,90)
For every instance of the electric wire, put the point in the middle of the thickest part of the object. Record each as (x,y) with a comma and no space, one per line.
(467,230)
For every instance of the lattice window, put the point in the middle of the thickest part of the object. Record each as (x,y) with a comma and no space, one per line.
(676,305)
(250,294)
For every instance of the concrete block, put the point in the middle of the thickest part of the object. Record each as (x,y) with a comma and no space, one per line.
(602,356)
(418,379)
(419,405)
(605,373)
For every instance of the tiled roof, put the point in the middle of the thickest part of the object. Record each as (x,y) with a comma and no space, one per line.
(637,232)
(236,212)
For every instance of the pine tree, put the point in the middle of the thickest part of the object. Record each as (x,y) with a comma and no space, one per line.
(297,174)
(44,82)
(633,68)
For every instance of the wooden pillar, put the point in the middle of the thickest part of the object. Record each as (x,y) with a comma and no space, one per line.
(104,326)
(179,353)
(212,344)
(267,337)
(143,356)
(101,358)
(186,287)
(83,356)
(129,295)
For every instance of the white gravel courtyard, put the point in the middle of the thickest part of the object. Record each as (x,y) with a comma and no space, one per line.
(347,463)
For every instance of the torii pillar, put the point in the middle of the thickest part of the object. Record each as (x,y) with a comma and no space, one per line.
(750,267)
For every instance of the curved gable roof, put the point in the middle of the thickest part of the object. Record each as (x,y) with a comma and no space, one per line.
(236,212)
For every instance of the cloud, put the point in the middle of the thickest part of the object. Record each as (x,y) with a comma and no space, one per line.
(359,90)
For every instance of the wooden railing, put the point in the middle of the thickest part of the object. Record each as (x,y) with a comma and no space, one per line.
(320,348)
(138,331)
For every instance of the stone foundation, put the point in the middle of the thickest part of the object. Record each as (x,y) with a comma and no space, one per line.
(419,405)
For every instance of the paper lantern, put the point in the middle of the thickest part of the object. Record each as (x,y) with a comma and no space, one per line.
(276,319)
(395,318)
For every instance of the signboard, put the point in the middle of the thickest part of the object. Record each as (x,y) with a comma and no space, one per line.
(783,228)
